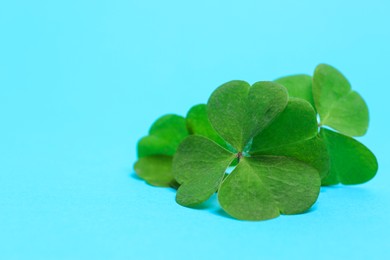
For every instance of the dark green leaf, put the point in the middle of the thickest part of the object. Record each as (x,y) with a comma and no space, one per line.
(155,170)
(164,136)
(337,104)
(238,112)
(199,166)
(350,161)
(262,187)
(299,86)
(296,123)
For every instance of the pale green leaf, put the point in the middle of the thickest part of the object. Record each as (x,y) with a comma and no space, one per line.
(165,135)
(199,166)
(337,104)
(299,86)
(155,170)
(350,161)
(262,187)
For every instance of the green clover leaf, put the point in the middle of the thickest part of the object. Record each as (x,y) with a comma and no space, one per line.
(155,170)
(337,104)
(198,124)
(344,110)
(296,123)
(238,111)
(313,152)
(299,86)
(199,166)
(294,133)
(351,161)
(263,187)
(269,184)
(165,135)
(155,151)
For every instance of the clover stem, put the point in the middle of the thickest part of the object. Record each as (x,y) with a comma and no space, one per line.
(239,156)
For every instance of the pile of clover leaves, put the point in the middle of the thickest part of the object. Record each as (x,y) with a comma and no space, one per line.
(269,133)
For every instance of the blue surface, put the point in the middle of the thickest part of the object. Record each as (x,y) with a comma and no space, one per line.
(81,82)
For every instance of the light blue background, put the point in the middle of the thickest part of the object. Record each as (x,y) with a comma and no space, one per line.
(81,81)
